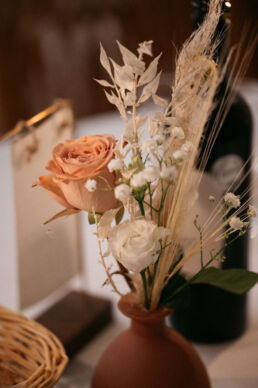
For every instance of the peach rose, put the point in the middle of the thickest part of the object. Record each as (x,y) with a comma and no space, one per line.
(73,163)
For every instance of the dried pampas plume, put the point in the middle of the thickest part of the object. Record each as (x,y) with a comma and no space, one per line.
(197,77)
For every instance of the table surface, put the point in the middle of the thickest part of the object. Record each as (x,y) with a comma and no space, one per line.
(230,365)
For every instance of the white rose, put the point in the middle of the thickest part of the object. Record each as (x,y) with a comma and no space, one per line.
(178,133)
(135,244)
(232,200)
(138,180)
(122,192)
(236,223)
(151,173)
(91,185)
(115,165)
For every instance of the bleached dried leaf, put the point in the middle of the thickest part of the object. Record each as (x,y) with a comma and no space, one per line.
(104,60)
(140,121)
(123,93)
(115,101)
(159,101)
(150,89)
(159,116)
(173,121)
(119,147)
(150,72)
(130,59)
(104,83)
(153,128)
(124,76)
(129,99)
(107,253)
(104,225)
(111,97)
(145,48)
(129,131)
(127,174)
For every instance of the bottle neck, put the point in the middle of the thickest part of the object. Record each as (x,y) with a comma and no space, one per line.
(222,33)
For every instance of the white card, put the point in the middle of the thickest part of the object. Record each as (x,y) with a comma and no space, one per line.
(47,255)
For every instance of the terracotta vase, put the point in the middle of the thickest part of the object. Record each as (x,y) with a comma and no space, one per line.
(149,355)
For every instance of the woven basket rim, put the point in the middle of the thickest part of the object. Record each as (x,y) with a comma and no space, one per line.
(30,351)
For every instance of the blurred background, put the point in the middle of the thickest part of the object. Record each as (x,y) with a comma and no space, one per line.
(50,48)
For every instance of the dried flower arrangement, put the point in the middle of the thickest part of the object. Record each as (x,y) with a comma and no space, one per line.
(149,175)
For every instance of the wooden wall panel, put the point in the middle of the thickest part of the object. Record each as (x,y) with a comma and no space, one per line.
(49,48)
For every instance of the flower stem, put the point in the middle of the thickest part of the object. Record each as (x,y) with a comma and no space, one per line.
(140,203)
(150,195)
(125,274)
(163,197)
(144,281)
(152,208)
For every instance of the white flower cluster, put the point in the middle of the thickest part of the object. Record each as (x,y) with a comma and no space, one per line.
(115,165)
(91,185)
(148,175)
(236,223)
(232,200)
(182,154)
(149,146)
(252,211)
(169,173)
(178,133)
(123,192)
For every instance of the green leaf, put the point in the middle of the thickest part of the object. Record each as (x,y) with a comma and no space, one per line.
(237,280)
(176,293)
(93,218)
(119,215)
(137,163)
(139,193)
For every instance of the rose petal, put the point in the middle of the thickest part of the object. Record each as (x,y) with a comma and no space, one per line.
(99,201)
(82,157)
(49,183)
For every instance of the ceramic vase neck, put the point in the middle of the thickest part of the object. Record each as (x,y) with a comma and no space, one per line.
(143,322)
(148,328)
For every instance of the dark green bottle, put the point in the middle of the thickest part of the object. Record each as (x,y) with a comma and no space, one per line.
(214,315)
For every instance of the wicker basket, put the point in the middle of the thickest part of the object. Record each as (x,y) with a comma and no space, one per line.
(30,355)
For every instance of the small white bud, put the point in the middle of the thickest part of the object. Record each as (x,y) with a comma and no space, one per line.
(236,223)
(122,192)
(115,165)
(149,146)
(232,200)
(138,180)
(151,173)
(91,185)
(187,146)
(160,140)
(180,155)
(169,173)
(178,133)
(252,211)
